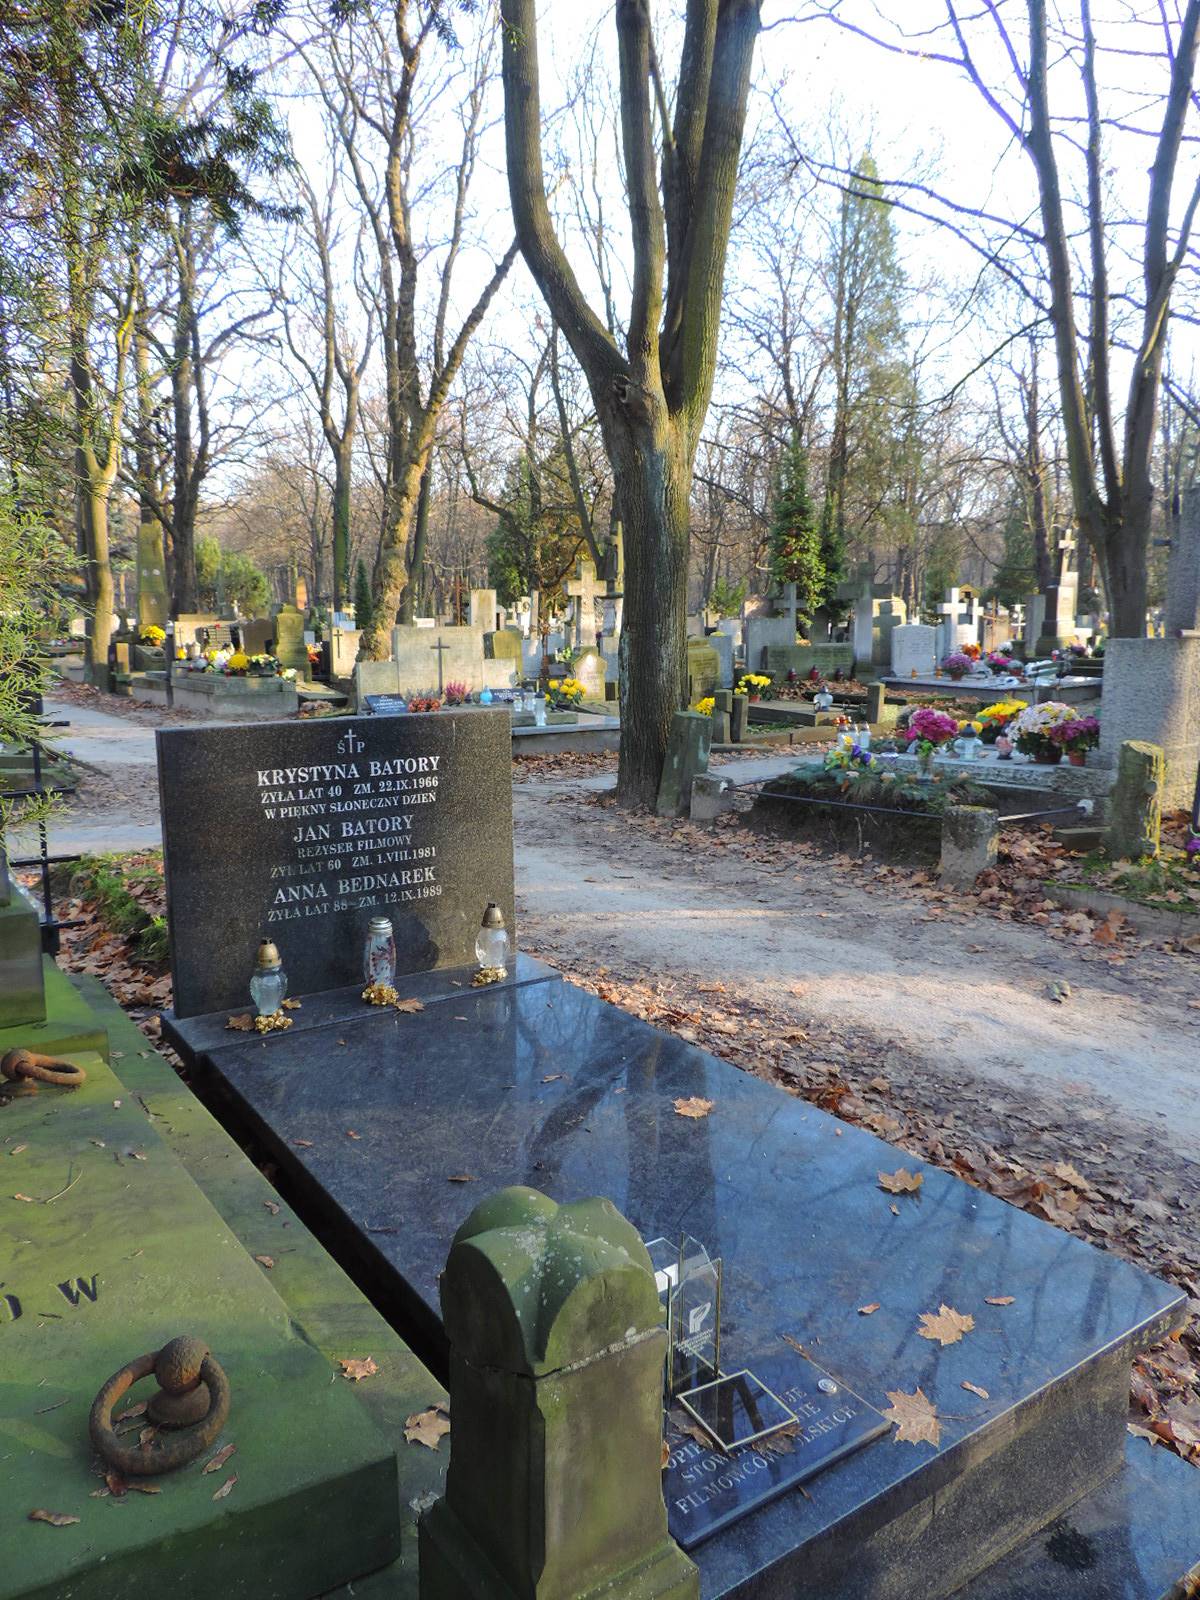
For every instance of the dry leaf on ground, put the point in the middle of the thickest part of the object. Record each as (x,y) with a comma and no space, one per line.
(1000,1299)
(219,1460)
(355,1369)
(974,1388)
(56,1519)
(915,1416)
(693,1106)
(242,1024)
(407,1006)
(265,1261)
(461,1177)
(225,1487)
(427,1427)
(945,1325)
(901,1181)
(868,1311)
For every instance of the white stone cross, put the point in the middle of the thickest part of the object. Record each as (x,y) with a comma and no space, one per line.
(582,589)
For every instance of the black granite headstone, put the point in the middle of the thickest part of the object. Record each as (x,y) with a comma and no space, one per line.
(302,831)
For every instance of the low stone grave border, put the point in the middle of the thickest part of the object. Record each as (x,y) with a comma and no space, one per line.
(1150,920)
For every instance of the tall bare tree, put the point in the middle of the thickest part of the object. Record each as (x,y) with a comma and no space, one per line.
(377,79)
(1035,67)
(651,398)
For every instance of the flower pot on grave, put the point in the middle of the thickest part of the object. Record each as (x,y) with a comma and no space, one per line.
(1048,758)
(1077,758)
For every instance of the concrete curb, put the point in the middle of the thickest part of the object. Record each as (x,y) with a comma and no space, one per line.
(1145,919)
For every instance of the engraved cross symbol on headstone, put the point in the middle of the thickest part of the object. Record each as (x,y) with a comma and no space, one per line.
(439,647)
(350,744)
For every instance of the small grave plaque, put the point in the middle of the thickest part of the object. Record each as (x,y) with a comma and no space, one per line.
(706,1488)
(385,705)
(302,831)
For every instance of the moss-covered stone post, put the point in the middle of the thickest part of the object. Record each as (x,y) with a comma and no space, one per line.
(687,754)
(1135,807)
(739,721)
(721,712)
(554,1490)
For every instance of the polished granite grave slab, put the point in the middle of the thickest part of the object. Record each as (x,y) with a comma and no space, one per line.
(548,1086)
(302,831)
(192,1036)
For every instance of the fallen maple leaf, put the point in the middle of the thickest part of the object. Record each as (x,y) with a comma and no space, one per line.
(242,1024)
(407,1006)
(427,1427)
(355,1369)
(945,1325)
(56,1519)
(693,1106)
(218,1461)
(974,1388)
(901,1181)
(915,1416)
(868,1311)
(265,1261)
(1000,1299)
(225,1487)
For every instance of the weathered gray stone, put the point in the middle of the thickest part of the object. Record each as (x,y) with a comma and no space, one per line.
(290,648)
(554,1487)
(875,697)
(22,992)
(1183,569)
(1151,691)
(969,835)
(687,754)
(1136,803)
(703,669)
(504,645)
(739,718)
(712,796)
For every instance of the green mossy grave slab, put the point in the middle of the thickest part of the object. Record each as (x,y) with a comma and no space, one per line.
(113,1252)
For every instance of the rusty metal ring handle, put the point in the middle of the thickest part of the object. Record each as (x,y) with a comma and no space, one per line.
(180,1367)
(26,1064)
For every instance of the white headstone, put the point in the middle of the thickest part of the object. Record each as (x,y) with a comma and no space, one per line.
(582,589)
(914,649)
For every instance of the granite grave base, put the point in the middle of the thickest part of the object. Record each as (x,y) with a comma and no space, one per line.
(539,1083)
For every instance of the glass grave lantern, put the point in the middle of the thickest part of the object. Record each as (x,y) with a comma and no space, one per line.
(492,942)
(268,985)
(379,952)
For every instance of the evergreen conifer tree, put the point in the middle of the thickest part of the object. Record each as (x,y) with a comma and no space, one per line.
(796,542)
(363,611)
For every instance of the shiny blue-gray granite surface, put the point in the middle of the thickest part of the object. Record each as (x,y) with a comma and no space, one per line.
(1137,1538)
(192,1036)
(300,832)
(548,1086)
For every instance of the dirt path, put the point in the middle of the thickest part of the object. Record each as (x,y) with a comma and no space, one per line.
(946,987)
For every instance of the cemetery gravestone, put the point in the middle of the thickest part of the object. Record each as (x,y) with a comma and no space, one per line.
(300,832)
(591,670)
(256,634)
(703,669)
(290,649)
(482,611)
(22,996)
(914,650)
(583,591)
(1061,601)
(153,602)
